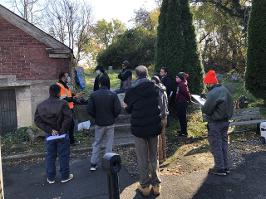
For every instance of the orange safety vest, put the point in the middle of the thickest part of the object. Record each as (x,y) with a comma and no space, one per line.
(64,92)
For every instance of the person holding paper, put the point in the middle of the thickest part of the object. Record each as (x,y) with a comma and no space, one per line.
(218,109)
(54,117)
(67,95)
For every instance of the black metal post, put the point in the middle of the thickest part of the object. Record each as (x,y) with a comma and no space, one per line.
(112,165)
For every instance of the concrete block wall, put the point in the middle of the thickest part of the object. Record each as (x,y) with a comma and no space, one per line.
(24,108)
(39,92)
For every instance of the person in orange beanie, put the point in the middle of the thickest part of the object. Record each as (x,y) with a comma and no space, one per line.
(218,109)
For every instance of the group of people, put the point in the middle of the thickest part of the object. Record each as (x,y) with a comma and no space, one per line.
(147,100)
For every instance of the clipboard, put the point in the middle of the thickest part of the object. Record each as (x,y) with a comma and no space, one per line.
(199,99)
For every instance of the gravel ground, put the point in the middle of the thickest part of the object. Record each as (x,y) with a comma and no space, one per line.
(194,155)
(191,154)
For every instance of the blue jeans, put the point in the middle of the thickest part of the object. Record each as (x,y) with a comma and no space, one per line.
(62,148)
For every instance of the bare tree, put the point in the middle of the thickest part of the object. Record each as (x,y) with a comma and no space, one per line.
(28,9)
(69,21)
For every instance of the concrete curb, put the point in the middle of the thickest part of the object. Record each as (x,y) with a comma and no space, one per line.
(14,158)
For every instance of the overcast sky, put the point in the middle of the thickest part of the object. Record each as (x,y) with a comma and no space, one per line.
(108,9)
(120,9)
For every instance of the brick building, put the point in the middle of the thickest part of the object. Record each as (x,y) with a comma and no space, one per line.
(30,61)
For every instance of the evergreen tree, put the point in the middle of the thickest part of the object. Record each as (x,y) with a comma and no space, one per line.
(170,41)
(256,63)
(176,42)
(191,61)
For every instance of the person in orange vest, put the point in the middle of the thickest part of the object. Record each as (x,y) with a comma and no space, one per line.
(67,95)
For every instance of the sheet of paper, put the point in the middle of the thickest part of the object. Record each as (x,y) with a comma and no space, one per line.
(199,99)
(55,137)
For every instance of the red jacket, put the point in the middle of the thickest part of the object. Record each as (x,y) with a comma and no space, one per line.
(182,92)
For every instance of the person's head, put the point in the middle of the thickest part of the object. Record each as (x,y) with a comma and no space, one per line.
(103,80)
(156,79)
(163,72)
(63,76)
(125,64)
(210,79)
(99,69)
(141,71)
(181,76)
(54,90)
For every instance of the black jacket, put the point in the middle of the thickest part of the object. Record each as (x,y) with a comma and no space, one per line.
(104,106)
(97,84)
(125,76)
(142,103)
(53,114)
(170,85)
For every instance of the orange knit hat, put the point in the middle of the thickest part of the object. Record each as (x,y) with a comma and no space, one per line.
(210,78)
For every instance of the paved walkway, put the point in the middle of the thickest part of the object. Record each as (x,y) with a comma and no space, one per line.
(245,182)
(29,182)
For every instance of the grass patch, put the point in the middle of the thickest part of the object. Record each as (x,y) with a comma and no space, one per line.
(18,142)
(90,76)
(196,126)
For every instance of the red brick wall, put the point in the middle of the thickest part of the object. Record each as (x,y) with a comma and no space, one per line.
(24,56)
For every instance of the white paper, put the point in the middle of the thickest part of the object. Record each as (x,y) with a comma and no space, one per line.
(199,99)
(84,125)
(55,137)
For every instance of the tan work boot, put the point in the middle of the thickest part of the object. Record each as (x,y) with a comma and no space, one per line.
(145,191)
(156,189)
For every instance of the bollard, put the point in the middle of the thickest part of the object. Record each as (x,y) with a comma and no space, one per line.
(112,165)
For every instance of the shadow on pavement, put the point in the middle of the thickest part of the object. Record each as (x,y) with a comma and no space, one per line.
(248,181)
(29,182)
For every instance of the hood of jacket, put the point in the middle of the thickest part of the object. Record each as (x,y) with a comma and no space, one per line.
(143,87)
(161,87)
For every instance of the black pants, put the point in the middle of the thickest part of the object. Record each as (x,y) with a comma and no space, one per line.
(71,131)
(181,109)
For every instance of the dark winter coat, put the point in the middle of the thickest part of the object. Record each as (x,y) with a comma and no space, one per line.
(219,104)
(104,106)
(142,103)
(126,77)
(182,92)
(97,83)
(169,83)
(53,114)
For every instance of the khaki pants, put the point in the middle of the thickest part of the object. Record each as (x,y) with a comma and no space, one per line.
(102,132)
(162,142)
(148,165)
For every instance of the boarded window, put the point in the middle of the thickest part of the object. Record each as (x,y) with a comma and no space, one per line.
(8,110)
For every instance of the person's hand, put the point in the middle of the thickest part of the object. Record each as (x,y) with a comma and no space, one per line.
(78,95)
(124,105)
(54,132)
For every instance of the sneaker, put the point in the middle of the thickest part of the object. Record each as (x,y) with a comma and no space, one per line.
(71,176)
(145,191)
(50,181)
(93,167)
(183,135)
(219,172)
(156,189)
(227,170)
